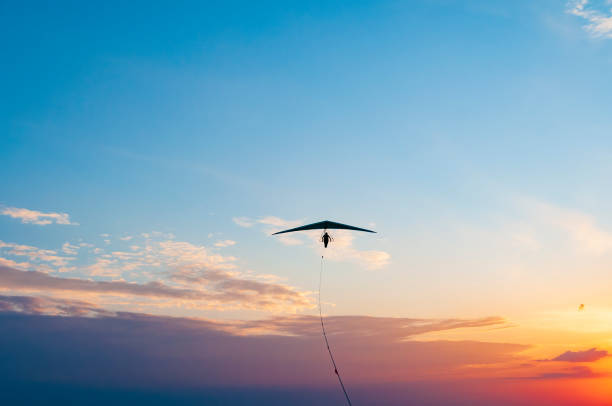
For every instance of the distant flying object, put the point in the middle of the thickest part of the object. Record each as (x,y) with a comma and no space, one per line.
(324,225)
(326,238)
(581,308)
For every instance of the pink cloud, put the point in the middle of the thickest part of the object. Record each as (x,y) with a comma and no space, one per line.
(36,217)
(582,356)
(213,287)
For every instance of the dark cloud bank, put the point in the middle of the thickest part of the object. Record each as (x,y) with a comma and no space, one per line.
(125,358)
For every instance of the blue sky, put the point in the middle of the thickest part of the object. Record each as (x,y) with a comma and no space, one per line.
(433,121)
(409,116)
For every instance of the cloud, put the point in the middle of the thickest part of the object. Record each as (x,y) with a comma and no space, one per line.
(212,288)
(16,279)
(14,264)
(272,224)
(69,348)
(170,273)
(70,249)
(117,348)
(243,221)
(153,254)
(36,217)
(392,328)
(41,257)
(581,228)
(50,306)
(106,267)
(582,356)
(225,243)
(344,250)
(179,253)
(598,17)
(576,372)
(278,222)
(556,368)
(232,287)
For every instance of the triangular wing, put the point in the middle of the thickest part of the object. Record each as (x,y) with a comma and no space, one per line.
(321,225)
(333,225)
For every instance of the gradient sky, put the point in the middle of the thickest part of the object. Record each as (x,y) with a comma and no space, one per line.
(149,150)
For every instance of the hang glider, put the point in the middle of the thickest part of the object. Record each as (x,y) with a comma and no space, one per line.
(325,225)
(326,238)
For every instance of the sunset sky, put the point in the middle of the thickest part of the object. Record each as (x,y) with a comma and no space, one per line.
(149,150)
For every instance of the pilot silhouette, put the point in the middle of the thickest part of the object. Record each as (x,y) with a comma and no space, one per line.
(326,239)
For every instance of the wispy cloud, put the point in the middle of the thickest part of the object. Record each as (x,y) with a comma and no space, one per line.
(392,328)
(50,306)
(582,356)
(14,264)
(344,250)
(270,225)
(278,222)
(243,221)
(575,372)
(36,217)
(225,243)
(584,233)
(41,257)
(273,224)
(181,253)
(106,267)
(70,249)
(205,288)
(16,279)
(598,16)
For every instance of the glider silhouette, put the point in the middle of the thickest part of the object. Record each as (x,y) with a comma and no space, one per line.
(324,225)
(326,238)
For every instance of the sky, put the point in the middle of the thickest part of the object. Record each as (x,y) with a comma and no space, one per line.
(150,149)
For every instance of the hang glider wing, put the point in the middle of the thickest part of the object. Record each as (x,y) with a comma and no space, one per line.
(322,225)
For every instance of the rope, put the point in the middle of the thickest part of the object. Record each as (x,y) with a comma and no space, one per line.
(331,356)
